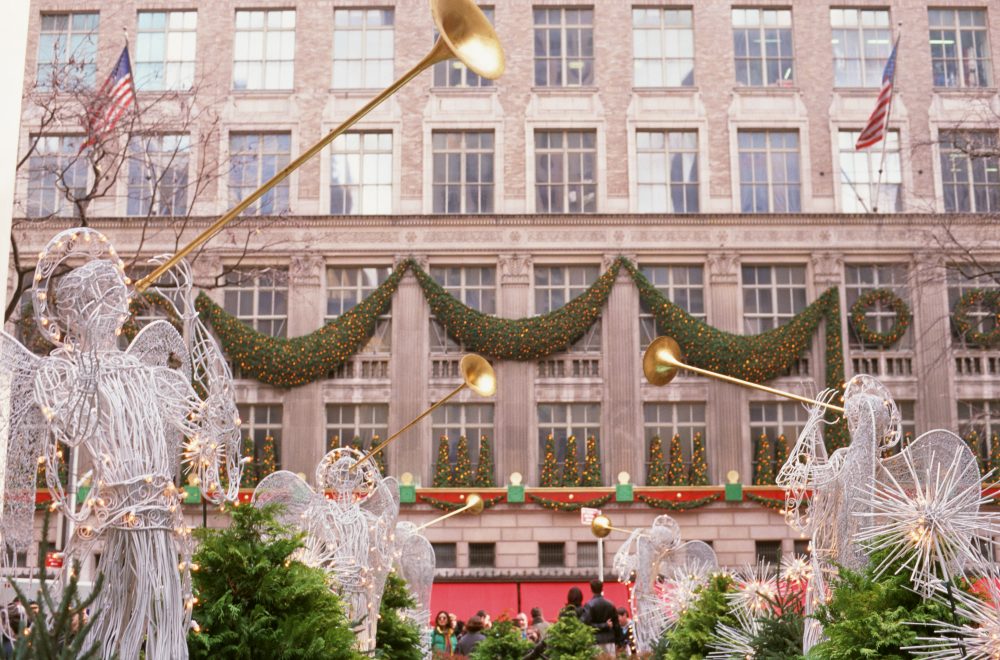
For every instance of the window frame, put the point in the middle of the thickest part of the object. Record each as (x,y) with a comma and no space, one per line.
(168,173)
(377,78)
(552,179)
(366,280)
(948,149)
(856,195)
(266,163)
(269,66)
(444,424)
(870,67)
(681,418)
(776,317)
(48,70)
(250,425)
(961,62)
(892,276)
(589,413)
(370,162)
(666,32)
(254,318)
(746,155)
(482,191)
(746,62)
(485,301)
(367,421)
(671,290)
(47,168)
(563,61)
(186,34)
(443,72)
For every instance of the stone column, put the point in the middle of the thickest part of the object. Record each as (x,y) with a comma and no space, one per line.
(932,358)
(827,272)
(303,414)
(621,407)
(409,372)
(515,447)
(728,418)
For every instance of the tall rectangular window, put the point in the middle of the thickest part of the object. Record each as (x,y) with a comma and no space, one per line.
(158,175)
(67,51)
(264,50)
(463,171)
(346,286)
(566,171)
(861,279)
(445,555)
(362,48)
(452,73)
(772,295)
(259,298)
(960,48)
(564,46)
(978,421)
(769,172)
(773,420)
(454,420)
(563,420)
(475,286)
(668,419)
(762,41)
(254,158)
(970,171)
(57,175)
(347,421)
(963,278)
(662,47)
(859,177)
(261,429)
(862,41)
(667,171)
(165,50)
(361,173)
(682,285)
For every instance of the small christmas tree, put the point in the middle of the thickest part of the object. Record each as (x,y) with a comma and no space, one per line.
(677,475)
(462,476)
(571,466)
(592,464)
(780,452)
(397,636)
(358,444)
(570,639)
(334,442)
(550,468)
(503,642)
(249,478)
(763,469)
(995,455)
(484,470)
(442,471)
(699,466)
(975,446)
(656,474)
(268,457)
(379,458)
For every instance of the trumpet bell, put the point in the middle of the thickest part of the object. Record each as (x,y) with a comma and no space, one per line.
(469,36)
(475,504)
(478,374)
(600,526)
(661,361)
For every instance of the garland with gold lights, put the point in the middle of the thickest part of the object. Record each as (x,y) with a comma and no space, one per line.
(989,298)
(556,505)
(887,298)
(682,505)
(445,505)
(769,502)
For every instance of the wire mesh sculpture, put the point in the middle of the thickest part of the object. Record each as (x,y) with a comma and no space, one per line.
(350,524)
(133,412)
(415,561)
(652,558)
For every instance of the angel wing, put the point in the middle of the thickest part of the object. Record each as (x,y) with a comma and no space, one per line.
(159,344)
(289,490)
(415,561)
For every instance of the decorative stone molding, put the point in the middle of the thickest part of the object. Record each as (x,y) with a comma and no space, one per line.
(422,260)
(828,268)
(723,267)
(515,269)
(306,270)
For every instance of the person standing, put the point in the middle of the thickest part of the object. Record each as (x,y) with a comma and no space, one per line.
(602,615)
(538,622)
(443,640)
(521,621)
(574,603)
(626,643)
(472,637)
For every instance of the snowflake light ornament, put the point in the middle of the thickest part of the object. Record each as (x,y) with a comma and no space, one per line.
(734,642)
(754,589)
(979,640)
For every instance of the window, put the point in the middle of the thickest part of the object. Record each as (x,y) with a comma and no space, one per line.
(463,171)
(769,172)
(57,175)
(261,428)
(961,280)
(682,285)
(563,420)
(662,47)
(768,551)
(67,51)
(259,298)
(862,41)
(551,555)
(960,50)
(970,172)
(907,414)
(345,422)
(452,73)
(667,171)
(564,47)
(473,420)
(859,280)
(475,286)
(255,158)
(669,419)
(859,177)
(158,175)
(361,173)
(165,50)
(557,285)
(762,41)
(587,554)
(362,48)
(801,547)
(774,420)
(565,171)
(978,422)
(772,295)
(264,50)
(482,555)
(445,555)
(346,286)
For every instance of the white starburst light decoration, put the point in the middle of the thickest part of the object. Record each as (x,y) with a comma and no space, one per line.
(978,640)
(754,589)
(734,642)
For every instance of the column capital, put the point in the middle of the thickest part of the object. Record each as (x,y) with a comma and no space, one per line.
(828,268)
(422,259)
(723,267)
(515,268)
(608,259)
(306,270)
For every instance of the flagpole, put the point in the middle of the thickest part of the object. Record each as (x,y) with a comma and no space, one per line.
(885,130)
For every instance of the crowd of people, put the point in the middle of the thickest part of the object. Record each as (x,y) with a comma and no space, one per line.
(613,630)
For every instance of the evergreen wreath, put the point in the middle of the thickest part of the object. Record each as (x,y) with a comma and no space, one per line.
(859,318)
(989,298)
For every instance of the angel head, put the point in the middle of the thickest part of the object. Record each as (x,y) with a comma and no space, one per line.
(865,394)
(336,471)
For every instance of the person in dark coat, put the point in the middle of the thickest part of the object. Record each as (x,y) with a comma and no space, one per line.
(602,615)
(574,603)
(472,637)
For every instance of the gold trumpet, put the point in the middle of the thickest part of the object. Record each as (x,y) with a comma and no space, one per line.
(601,527)
(477,375)
(466,34)
(473,503)
(663,358)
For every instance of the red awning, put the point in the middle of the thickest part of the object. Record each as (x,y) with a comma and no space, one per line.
(509,598)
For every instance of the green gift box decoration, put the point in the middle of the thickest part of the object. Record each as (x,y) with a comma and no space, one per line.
(515,493)
(734,492)
(407,494)
(623,493)
(192,495)
(81,494)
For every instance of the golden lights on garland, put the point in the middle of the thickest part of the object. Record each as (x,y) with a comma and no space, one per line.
(884,298)
(987,299)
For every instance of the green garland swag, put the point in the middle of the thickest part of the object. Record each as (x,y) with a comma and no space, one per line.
(445,505)
(989,298)
(683,505)
(556,505)
(859,318)
(769,502)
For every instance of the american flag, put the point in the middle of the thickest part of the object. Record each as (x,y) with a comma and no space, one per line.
(112,100)
(875,129)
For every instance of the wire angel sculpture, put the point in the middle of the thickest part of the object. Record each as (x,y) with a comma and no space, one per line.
(350,531)
(133,412)
(415,561)
(653,558)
